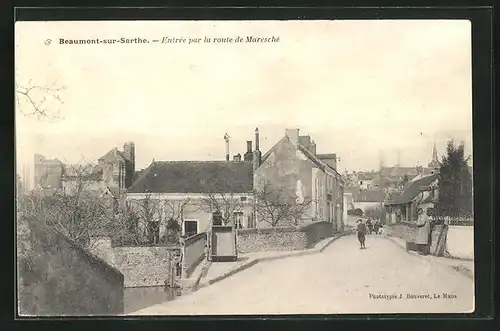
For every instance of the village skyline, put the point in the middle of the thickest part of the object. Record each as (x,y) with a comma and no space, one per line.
(178,105)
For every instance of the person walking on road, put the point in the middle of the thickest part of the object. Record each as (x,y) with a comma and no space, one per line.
(361,229)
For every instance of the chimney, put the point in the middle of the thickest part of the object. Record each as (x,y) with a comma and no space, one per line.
(256,139)
(313,147)
(256,153)
(226,138)
(293,135)
(129,152)
(237,158)
(248,155)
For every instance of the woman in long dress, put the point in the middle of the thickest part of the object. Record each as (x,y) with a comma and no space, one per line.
(423,232)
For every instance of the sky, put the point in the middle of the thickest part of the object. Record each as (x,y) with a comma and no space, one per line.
(365,90)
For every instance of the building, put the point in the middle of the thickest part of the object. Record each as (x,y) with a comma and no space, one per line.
(434,164)
(348,204)
(292,165)
(113,173)
(419,192)
(48,173)
(190,192)
(195,192)
(367,199)
(19,186)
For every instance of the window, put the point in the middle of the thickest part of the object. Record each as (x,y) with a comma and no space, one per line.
(190,228)
(243,199)
(238,219)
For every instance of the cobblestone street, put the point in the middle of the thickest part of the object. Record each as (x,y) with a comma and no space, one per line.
(342,279)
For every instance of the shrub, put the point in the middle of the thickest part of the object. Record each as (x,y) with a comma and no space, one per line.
(355,212)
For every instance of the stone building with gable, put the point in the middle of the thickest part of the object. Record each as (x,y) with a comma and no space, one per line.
(201,188)
(294,165)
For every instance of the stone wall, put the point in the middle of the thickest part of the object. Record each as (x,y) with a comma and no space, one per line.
(406,231)
(141,266)
(282,238)
(57,277)
(194,250)
(271,239)
(316,231)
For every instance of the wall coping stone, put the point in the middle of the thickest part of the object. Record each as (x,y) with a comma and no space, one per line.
(92,258)
(194,238)
(267,230)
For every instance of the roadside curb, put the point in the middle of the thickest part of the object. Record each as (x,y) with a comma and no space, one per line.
(458,268)
(254,261)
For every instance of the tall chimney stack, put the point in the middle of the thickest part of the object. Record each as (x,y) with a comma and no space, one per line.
(249,154)
(256,154)
(226,138)
(256,139)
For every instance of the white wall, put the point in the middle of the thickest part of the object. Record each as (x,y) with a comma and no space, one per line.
(460,242)
(364,205)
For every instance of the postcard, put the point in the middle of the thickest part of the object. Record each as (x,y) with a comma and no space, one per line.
(244,167)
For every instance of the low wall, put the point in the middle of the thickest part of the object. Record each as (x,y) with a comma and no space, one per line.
(141,266)
(194,250)
(406,231)
(282,238)
(460,242)
(316,231)
(57,277)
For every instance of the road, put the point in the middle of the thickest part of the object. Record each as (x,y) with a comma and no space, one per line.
(343,279)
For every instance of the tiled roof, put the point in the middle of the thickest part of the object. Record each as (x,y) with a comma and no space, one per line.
(313,158)
(399,171)
(195,177)
(370,196)
(412,189)
(112,155)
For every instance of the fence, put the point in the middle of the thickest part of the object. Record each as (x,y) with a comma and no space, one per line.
(460,221)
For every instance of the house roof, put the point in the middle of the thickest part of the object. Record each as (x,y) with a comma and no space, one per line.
(354,191)
(313,158)
(327,156)
(113,154)
(370,196)
(305,140)
(412,189)
(398,171)
(195,177)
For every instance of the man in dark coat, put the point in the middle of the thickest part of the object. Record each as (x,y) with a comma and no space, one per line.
(361,229)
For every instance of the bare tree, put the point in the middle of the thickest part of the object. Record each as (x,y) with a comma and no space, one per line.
(226,203)
(76,211)
(39,101)
(154,213)
(175,216)
(220,197)
(84,208)
(277,206)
